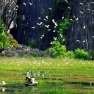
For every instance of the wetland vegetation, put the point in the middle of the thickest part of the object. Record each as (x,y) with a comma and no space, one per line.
(54,75)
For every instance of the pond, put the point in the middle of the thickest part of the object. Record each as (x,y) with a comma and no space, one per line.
(51,80)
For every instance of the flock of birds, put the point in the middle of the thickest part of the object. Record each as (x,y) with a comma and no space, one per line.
(46,17)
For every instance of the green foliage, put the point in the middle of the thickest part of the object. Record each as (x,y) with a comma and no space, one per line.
(34,54)
(14,43)
(4,42)
(70,54)
(81,54)
(57,49)
(1,45)
(62,29)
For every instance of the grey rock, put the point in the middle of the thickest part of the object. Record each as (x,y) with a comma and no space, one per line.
(81,31)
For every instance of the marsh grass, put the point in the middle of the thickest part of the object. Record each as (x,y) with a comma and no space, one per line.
(12,70)
(59,91)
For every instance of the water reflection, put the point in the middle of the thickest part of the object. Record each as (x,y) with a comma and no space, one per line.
(2,89)
(90,84)
(40,73)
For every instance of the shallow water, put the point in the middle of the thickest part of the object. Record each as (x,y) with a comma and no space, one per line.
(81,84)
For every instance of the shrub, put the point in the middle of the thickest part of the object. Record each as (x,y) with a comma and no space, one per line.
(4,42)
(14,43)
(81,54)
(1,45)
(57,49)
(70,54)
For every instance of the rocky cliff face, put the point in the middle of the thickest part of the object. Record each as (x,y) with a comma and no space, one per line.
(81,30)
(33,16)
(8,12)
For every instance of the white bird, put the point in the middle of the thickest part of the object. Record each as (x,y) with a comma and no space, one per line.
(55,38)
(83,40)
(66,1)
(71,19)
(81,3)
(62,17)
(24,4)
(61,35)
(50,42)
(92,36)
(11,25)
(30,3)
(17,6)
(77,40)
(33,27)
(84,27)
(39,17)
(69,7)
(45,20)
(39,23)
(46,17)
(47,26)
(76,19)
(42,35)
(50,8)
(88,9)
(81,12)
(54,22)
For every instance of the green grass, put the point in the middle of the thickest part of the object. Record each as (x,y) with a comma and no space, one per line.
(31,63)
(12,70)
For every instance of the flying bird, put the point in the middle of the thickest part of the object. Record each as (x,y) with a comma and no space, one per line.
(66,1)
(50,8)
(55,38)
(69,7)
(24,4)
(39,23)
(39,17)
(81,12)
(30,3)
(76,19)
(33,27)
(62,17)
(46,17)
(81,3)
(47,26)
(54,22)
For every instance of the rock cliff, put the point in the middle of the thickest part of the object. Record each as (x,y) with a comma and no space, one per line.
(27,17)
(81,30)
